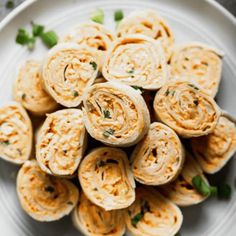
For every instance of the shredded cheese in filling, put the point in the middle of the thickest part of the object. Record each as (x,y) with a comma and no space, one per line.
(159,158)
(44,197)
(106,179)
(186,109)
(61,142)
(214,150)
(15,134)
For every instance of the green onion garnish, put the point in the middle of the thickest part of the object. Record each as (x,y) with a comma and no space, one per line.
(10,4)
(136,219)
(37,30)
(224,191)
(107,114)
(49,38)
(201,186)
(98,16)
(6,142)
(93,64)
(23,96)
(118,15)
(22,37)
(108,132)
(137,88)
(31,43)
(75,94)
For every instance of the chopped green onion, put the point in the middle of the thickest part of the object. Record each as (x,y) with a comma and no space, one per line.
(130,71)
(167,92)
(75,94)
(23,96)
(93,64)
(193,86)
(201,186)
(5,142)
(22,37)
(224,191)
(137,87)
(37,30)
(108,132)
(49,38)
(98,16)
(31,43)
(118,15)
(107,114)
(10,4)
(136,219)
(214,191)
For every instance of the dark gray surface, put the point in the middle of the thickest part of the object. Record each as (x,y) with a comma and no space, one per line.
(228,4)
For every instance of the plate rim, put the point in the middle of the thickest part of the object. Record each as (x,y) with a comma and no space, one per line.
(14,13)
(18,10)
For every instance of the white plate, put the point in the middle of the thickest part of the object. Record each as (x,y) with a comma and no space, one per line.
(191,20)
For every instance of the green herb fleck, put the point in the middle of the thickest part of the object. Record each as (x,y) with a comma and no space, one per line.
(167,92)
(49,38)
(130,71)
(10,4)
(224,191)
(201,186)
(193,86)
(6,142)
(107,114)
(23,96)
(93,64)
(49,189)
(70,203)
(108,132)
(37,30)
(22,37)
(98,16)
(136,219)
(118,15)
(137,88)
(31,43)
(75,94)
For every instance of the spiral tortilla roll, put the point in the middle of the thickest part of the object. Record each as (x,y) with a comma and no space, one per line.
(106,178)
(187,110)
(68,70)
(61,142)
(93,35)
(159,158)
(92,220)
(115,114)
(29,90)
(148,23)
(136,60)
(42,196)
(16,133)
(182,191)
(153,215)
(214,150)
(198,64)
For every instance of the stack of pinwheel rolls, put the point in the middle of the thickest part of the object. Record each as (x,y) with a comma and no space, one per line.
(99,92)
